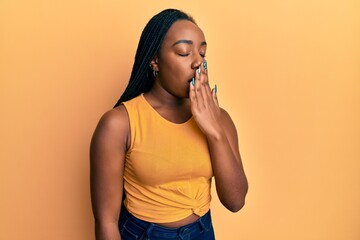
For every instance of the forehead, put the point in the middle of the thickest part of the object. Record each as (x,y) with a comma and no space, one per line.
(183,29)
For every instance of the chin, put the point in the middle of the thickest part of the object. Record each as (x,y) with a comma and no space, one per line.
(180,95)
(186,95)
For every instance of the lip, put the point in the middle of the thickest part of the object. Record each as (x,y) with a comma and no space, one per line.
(189,81)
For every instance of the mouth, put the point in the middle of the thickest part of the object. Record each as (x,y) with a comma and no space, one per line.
(189,81)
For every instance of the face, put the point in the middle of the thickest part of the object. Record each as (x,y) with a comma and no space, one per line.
(181,52)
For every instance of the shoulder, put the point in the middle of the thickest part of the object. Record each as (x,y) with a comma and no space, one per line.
(114,119)
(115,115)
(113,126)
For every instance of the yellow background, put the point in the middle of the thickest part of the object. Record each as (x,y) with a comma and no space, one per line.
(288,72)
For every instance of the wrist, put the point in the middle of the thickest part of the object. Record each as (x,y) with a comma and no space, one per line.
(217,135)
(108,230)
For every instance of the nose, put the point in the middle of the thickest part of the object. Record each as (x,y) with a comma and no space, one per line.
(196,62)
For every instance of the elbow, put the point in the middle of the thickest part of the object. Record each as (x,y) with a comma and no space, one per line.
(239,203)
(237,206)
(235,201)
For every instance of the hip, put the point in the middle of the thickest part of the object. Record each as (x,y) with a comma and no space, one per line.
(132,228)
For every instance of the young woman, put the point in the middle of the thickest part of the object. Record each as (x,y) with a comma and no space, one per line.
(153,156)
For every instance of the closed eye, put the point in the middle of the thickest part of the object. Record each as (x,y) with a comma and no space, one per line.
(183,54)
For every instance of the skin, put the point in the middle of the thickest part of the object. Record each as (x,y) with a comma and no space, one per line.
(175,99)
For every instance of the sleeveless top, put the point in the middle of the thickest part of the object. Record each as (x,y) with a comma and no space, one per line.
(168,171)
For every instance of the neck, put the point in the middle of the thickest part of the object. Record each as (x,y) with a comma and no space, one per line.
(159,96)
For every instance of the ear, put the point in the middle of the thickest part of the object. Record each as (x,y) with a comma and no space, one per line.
(154,64)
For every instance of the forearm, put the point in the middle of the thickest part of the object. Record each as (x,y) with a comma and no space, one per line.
(218,127)
(107,231)
(230,179)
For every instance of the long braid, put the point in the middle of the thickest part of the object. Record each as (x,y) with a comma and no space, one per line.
(141,78)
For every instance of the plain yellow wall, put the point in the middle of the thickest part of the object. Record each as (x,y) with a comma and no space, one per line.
(288,72)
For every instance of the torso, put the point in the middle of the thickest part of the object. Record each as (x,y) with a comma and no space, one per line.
(190,219)
(176,114)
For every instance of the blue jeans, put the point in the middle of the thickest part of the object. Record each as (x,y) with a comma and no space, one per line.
(132,228)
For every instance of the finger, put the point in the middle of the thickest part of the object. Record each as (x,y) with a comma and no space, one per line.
(199,88)
(204,76)
(205,88)
(192,93)
(205,71)
(214,95)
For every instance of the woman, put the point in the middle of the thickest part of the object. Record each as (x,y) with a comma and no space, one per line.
(153,156)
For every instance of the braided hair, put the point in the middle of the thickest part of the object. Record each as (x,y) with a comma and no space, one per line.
(141,78)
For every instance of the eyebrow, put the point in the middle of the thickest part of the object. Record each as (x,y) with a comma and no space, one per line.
(188,42)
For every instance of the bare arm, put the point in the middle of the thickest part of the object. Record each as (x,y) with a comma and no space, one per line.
(107,157)
(230,179)
(216,124)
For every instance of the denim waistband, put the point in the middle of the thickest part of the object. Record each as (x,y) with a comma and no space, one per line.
(146,230)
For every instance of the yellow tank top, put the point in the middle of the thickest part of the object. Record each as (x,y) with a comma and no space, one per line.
(168,171)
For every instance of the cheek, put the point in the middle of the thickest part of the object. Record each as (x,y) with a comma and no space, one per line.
(174,70)
(171,71)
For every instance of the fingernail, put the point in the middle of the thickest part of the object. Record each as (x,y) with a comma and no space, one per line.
(205,65)
(215,88)
(193,81)
(198,70)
